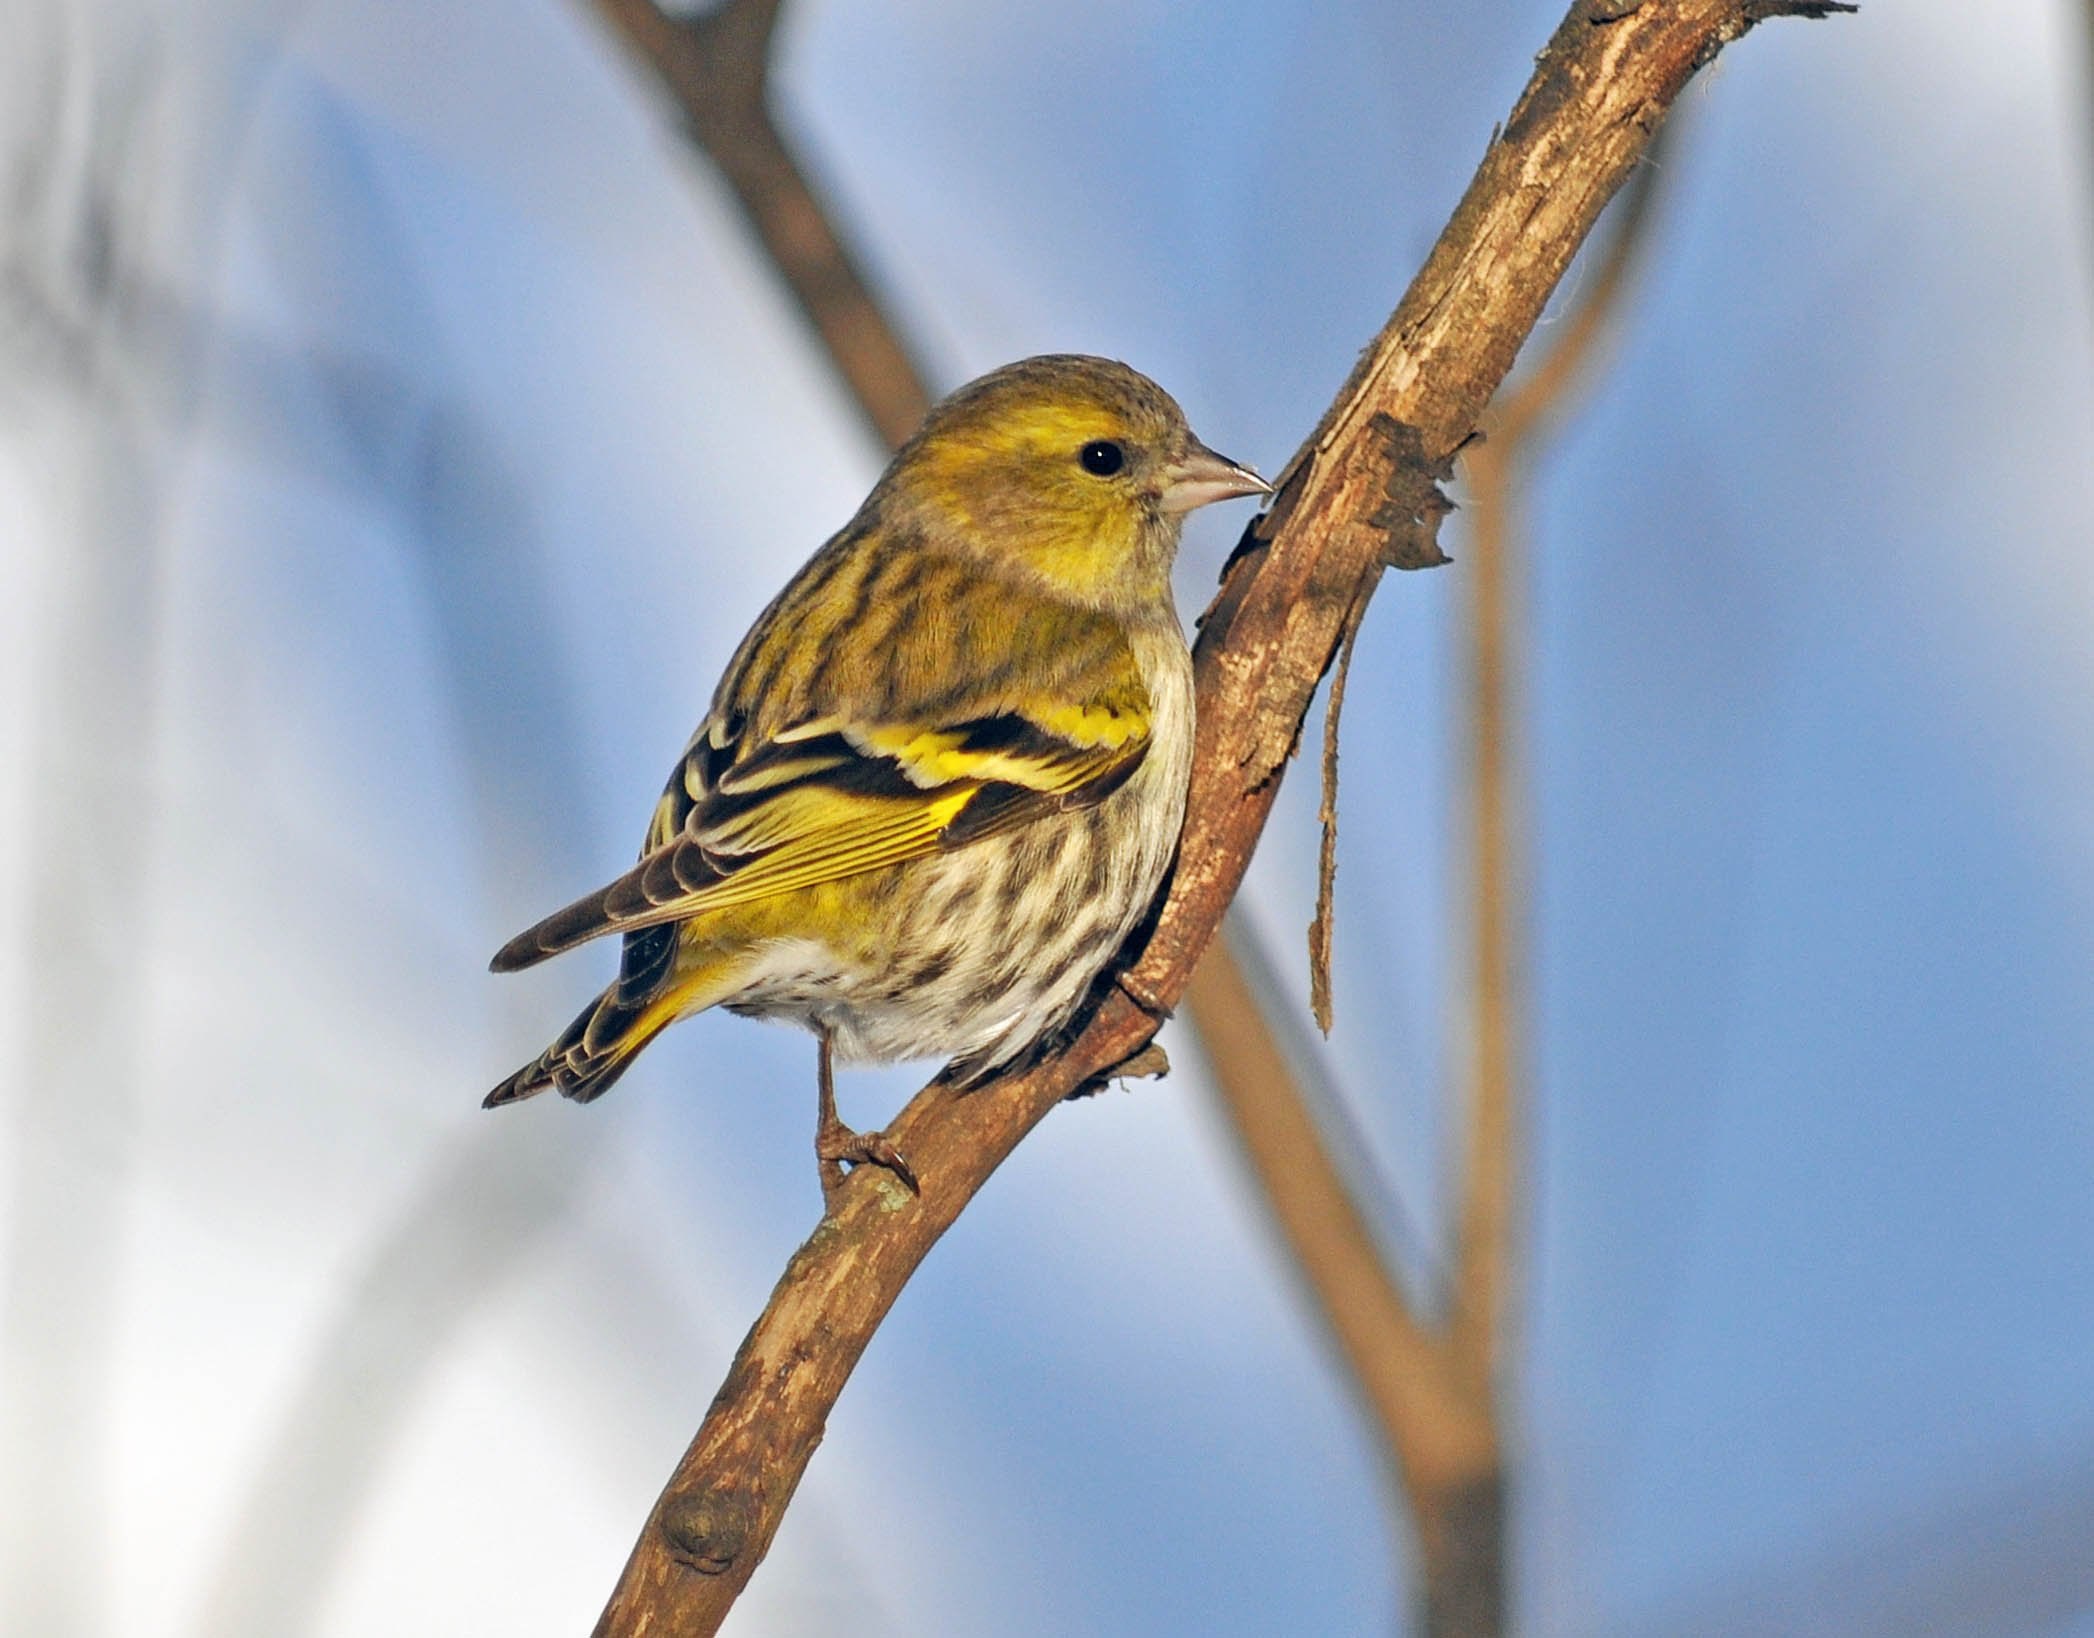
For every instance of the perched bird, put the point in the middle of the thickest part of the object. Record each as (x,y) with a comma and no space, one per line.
(944,773)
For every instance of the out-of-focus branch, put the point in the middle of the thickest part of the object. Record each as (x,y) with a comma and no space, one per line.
(1347,503)
(1394,1357)
(717,67)
(1495,466)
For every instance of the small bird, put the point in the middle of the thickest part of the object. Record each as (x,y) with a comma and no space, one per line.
(944,773)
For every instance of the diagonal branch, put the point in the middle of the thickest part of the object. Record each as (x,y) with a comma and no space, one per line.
(717,66)
(1601,86)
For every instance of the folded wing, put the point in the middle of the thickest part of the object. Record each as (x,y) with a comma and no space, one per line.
(830,798)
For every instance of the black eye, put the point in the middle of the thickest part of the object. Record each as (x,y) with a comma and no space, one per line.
(1101,457)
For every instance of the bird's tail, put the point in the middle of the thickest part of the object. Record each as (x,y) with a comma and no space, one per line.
(605,1037)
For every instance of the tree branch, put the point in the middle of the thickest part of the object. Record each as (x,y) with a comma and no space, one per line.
(1348,502)
(717,65)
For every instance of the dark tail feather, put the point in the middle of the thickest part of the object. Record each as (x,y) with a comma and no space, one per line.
(562,930)
(591,1053)
(656,890)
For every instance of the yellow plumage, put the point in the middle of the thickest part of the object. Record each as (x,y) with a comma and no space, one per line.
(943,774)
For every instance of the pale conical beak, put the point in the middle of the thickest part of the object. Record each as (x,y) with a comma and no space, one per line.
(1203,477)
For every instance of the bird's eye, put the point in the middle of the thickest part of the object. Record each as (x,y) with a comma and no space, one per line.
(1101,457)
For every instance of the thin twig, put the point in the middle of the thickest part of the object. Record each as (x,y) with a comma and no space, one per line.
(1600,87)
(1327,818)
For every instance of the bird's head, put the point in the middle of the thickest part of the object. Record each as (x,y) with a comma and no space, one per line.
(1075,471)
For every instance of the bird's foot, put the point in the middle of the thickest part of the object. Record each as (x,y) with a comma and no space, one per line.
(837,1146)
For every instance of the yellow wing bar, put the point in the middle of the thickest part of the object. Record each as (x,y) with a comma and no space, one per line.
(827,801)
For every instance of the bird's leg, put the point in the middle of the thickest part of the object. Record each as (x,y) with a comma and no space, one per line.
(832,1139)
(837,1146)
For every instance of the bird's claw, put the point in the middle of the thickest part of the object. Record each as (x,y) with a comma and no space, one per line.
(838,1147)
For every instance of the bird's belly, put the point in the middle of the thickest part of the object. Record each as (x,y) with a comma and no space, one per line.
(983,950)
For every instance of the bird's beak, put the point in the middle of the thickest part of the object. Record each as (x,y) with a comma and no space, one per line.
(1203,477)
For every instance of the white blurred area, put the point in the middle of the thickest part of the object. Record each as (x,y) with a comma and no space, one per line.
(396,431)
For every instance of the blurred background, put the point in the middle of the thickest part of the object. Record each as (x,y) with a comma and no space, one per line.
(399,422)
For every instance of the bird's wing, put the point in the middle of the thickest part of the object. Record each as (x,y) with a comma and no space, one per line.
(747,816)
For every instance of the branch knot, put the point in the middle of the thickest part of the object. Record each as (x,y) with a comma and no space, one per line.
(708,1530)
